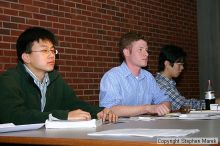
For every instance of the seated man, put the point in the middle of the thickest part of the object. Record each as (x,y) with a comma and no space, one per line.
(128,89)
(33,89)
(171,61)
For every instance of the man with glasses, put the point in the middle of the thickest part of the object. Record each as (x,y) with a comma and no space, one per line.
(171,65)
(33,89)
(128,89)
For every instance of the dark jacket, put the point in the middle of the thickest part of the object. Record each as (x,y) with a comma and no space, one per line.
(20,98)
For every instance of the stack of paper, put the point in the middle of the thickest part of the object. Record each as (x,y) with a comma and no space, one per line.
(53,122)
(9,127)
(72,124)
(214,107)
(146,132)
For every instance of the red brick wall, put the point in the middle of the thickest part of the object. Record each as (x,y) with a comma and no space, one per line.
(88,31)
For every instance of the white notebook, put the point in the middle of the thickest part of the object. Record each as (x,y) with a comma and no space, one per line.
(53,122)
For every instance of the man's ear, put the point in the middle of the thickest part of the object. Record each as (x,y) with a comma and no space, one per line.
(166,63)
(126,52)
(25,57)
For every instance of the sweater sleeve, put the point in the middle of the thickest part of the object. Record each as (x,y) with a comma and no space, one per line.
(16,105)
(72,102)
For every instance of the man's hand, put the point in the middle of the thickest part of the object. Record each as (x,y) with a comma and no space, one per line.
(108,115)
(160,109)
(79,115)
(217,100)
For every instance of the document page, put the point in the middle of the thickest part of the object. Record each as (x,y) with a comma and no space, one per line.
(146,132)
(53,122)
(10,127)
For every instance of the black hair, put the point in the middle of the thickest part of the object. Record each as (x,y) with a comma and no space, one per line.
(26,39)
(171,53)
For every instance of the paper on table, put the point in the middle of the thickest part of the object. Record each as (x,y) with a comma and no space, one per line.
(150,118)
(6,125)
(146,132)
(141,118)
(198,116)
(170,116)
(206,112)
(214,107)
(56,123)
(10,127)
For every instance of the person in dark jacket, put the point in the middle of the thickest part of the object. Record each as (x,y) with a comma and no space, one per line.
(33,89)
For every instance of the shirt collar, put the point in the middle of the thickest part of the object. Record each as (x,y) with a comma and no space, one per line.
(127,71)
(170,81)
(36,80)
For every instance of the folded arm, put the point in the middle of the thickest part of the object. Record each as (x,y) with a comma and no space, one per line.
(127,111)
